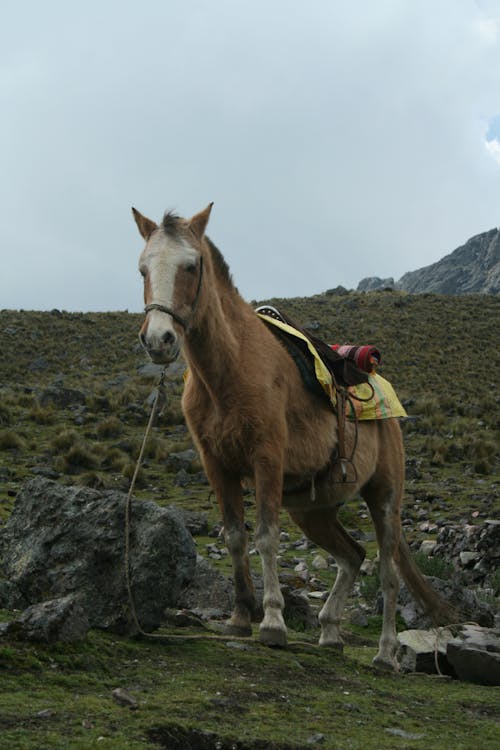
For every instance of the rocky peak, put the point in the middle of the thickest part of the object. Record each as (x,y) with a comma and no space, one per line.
(473,268)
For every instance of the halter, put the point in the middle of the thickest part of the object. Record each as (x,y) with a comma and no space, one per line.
(184,322)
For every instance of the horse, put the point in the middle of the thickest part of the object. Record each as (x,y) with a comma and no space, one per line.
(254,423)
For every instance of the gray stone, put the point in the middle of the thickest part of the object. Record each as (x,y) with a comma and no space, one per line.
(375,284)
(207,589)
(61,397)
(196,521)
(419,650)
(475,655)
(473,268)
(62,619)
(465,601)
(62,540)
(10,596)
(181,460)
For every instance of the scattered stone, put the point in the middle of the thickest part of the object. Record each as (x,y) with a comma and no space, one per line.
(427,547)
(404,735)
(473,550)
(124,698)
(46,713)
(319,563)
(61,397)
(465,601)
(45,471)
(298,613)
(359,618)
(38,365)
(181,460)
(316,739)
(321,596)
(182,618)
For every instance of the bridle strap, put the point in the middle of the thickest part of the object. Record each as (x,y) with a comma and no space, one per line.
(184,322)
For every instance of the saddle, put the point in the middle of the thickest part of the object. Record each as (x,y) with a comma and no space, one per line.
(344,371)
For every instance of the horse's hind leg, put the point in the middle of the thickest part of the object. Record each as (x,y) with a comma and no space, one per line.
(229,495)
(323,528)
(384,503)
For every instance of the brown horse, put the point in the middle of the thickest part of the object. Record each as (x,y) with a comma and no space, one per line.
(253,421)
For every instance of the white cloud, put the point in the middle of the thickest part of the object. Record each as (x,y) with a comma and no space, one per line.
(488,29)
(493,148)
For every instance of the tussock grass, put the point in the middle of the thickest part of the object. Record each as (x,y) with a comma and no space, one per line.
(433,353)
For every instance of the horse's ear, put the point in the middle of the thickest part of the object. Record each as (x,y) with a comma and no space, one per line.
(198,223)
(146,226)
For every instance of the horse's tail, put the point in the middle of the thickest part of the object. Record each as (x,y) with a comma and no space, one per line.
(438,609)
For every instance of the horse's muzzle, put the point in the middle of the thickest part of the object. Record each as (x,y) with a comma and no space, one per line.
(162,351)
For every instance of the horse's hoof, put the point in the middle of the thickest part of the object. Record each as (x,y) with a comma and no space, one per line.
(273,637)
(240,631)
(385,664)
(336,645)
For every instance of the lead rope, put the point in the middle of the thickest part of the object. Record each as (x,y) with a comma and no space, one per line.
(160,388)
(160,393)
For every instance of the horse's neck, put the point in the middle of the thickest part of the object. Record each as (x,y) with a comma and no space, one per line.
(212,347)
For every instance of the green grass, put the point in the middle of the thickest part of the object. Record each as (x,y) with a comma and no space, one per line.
(61,697)
(441,354)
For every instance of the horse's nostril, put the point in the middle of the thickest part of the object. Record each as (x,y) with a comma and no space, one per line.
(143,341)
(168,337)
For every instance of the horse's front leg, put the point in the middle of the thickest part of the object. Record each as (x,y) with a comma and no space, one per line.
(227,488)
(268,493)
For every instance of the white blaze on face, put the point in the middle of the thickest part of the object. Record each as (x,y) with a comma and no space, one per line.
(162,257)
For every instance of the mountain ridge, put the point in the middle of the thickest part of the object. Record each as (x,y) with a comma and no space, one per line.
(472,268)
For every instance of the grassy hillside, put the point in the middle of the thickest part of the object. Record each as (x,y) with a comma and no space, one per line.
(73,406)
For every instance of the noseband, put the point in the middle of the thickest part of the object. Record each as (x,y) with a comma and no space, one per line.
(184,322)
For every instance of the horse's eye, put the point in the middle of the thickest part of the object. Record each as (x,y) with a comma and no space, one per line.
(191,267)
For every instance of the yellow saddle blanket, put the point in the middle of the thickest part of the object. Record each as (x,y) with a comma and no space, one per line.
(384,402)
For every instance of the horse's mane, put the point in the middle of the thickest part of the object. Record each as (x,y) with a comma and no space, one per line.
(220,265)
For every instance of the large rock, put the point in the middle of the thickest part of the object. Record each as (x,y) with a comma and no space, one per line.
(475,655)
(71,540)
(471,655)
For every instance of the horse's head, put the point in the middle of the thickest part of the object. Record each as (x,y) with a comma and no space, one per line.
(172,267)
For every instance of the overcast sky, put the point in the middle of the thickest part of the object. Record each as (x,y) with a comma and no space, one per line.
(338,140)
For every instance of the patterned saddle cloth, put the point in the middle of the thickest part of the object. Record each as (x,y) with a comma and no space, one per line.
(370,395)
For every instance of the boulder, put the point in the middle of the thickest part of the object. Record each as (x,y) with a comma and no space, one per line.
(472,654)
(475,655)
(424,651)
(71,540)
